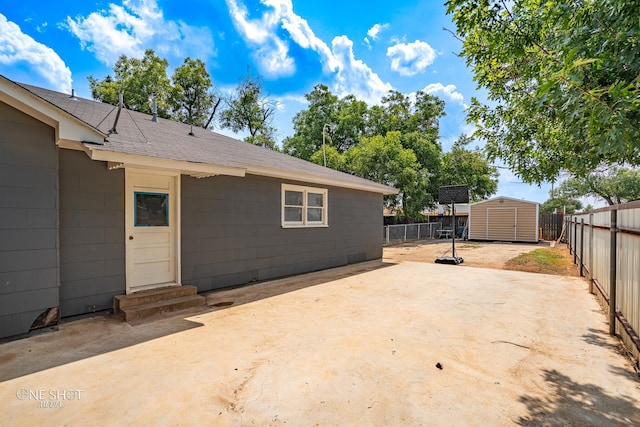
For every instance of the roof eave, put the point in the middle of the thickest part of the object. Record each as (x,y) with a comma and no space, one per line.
(320,180)
(118,160)
(67,126)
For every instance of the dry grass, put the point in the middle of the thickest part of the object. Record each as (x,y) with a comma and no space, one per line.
(545,260)
(469,246)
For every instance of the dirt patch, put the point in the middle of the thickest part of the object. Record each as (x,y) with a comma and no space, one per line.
(545,260)
(498,255)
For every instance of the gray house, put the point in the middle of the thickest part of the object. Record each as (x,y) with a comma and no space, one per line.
(98,201)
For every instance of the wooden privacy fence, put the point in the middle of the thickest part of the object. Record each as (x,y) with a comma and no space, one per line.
(550,226)
(605,243)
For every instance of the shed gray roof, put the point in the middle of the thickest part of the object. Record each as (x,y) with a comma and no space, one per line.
(137,134)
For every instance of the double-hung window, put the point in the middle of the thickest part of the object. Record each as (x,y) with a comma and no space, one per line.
(304,206)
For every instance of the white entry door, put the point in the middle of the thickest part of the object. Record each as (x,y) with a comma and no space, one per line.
(151,230)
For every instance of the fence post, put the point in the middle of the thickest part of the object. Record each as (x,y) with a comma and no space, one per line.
(418,231)
(575,241)
(612,272)
(582,247)
(387,227)
(567,232)
(405,232)
(590,253)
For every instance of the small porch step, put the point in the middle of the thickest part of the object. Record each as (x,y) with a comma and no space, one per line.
(144,304)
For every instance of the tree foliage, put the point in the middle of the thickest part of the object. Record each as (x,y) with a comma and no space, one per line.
(462,166)
(616,185)
(138,79)
(251,110)
(404,129)
(558,202)
(394,143)
(308,124)
(335,159)
(383,159)
(189,96)
(192,99)
(563,81)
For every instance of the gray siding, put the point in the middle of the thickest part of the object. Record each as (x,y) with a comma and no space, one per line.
(92,249)
(29,274)
(231,232)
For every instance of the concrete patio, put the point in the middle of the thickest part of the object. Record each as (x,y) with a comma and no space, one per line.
(406,344)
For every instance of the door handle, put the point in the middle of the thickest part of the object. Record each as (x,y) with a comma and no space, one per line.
(130,237)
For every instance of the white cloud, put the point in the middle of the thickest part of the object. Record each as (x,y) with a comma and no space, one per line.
(136,25)
(375,30)
(354,76)
(289,99)
(409,59)
(42,27)
(448,91)
(351,76)
(18,48)
(302,34)
(272,54)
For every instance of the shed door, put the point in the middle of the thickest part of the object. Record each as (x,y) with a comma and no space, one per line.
(502,223)
(151,230)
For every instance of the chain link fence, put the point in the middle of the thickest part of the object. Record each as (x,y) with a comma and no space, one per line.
(406,232)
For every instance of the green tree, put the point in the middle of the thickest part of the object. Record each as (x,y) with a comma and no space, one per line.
(357,141)
(383,159)
(558,202)
(462,166)
(251,110)
(192,99)
(308,124)
(138,79)
(353,119)
(428,153)
(350,123)
(417,119)
(335,159)
(616,185)
(398,112)
(563,82)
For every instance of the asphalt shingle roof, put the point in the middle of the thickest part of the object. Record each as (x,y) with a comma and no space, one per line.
(166,139)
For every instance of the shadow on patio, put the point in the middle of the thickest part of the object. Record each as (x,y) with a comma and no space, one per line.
(80,339)
(568,402)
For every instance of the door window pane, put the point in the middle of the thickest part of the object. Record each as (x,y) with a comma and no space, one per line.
(152,209)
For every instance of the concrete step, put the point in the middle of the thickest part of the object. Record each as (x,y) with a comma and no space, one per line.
(152,295)
(142,311)
(147,303)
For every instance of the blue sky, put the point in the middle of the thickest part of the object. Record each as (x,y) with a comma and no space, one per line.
(355,47)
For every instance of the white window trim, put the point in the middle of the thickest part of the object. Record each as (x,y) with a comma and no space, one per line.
(304,223)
